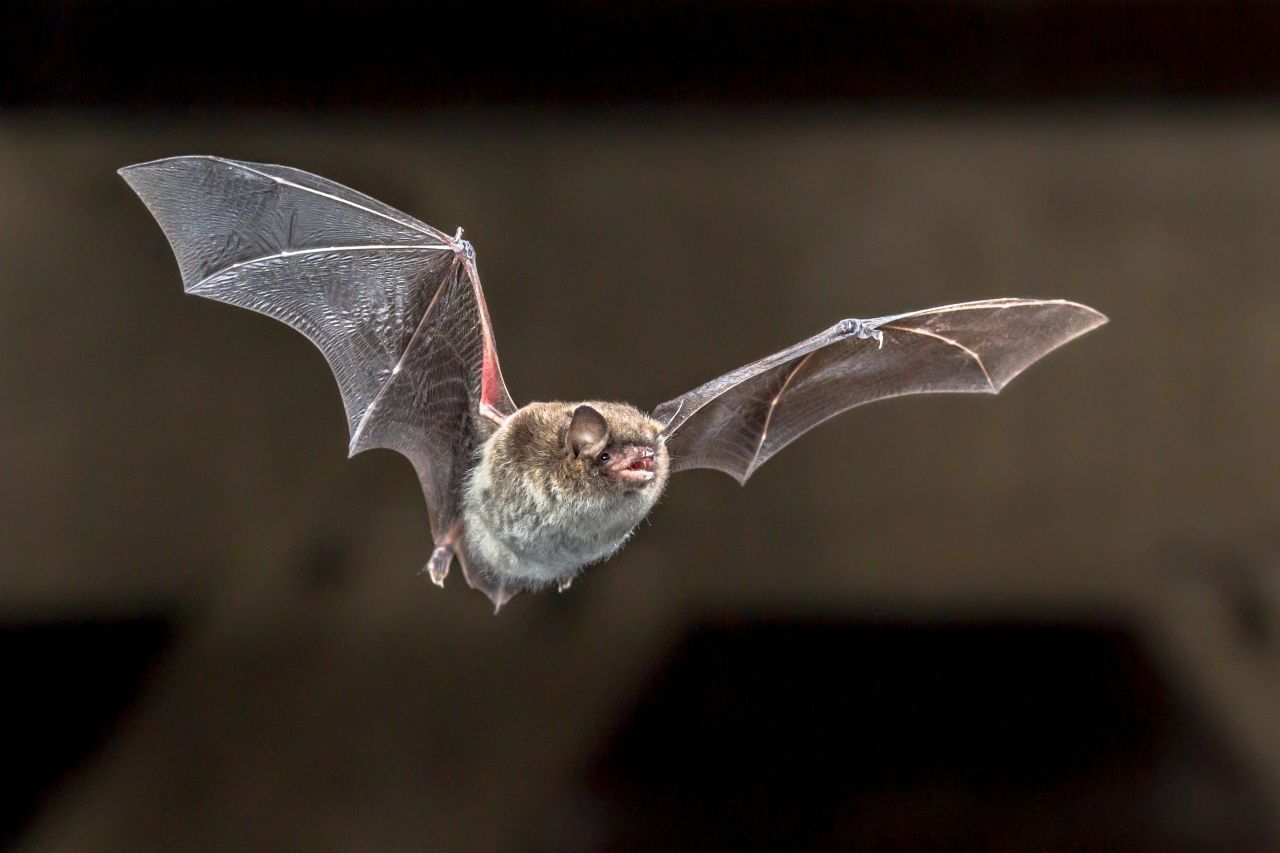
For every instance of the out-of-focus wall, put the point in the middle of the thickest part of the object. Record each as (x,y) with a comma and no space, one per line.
(165,453)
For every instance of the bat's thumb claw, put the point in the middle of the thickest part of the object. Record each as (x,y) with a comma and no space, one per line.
(858,329)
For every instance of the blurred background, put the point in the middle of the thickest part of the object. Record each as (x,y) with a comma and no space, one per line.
(1044,621)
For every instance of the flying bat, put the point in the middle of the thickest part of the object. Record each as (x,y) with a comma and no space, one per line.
(527,496)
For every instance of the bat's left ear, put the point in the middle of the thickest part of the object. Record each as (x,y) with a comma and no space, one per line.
(588,433)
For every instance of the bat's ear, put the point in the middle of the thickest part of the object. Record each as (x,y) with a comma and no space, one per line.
(588,433)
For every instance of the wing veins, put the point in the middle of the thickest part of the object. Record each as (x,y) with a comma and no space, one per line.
(977,358)
(395,369)
(289,253)
(818,341)
(288,183)
(981,304)
(773,404)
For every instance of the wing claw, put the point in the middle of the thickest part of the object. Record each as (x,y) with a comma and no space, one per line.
(864,329)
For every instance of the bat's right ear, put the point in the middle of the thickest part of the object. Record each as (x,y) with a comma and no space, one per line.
(588,433)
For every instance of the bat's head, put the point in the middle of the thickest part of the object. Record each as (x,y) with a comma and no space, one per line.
(584,458)
(614,448)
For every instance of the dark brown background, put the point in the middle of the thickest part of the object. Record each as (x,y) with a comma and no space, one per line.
(1043,621)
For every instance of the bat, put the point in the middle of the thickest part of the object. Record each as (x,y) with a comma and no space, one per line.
(527,496)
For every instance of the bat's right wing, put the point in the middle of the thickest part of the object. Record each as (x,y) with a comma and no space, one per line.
(736,422)
(394,305)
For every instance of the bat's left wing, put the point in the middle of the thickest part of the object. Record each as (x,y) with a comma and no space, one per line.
(737,422)
(394,305)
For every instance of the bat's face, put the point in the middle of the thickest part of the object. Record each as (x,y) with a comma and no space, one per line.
(565,453)
(613,448)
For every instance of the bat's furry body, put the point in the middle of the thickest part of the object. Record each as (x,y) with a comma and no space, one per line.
(526,497)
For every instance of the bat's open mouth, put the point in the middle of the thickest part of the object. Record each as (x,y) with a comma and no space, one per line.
(637,466)
(643,462)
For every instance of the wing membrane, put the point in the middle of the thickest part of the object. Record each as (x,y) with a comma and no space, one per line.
(394,305)
(737,422)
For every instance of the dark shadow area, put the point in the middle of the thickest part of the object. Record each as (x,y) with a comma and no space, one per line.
(66,685)
(842,735)
(406,55)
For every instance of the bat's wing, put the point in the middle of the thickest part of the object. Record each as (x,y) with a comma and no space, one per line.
(394,305)
(736,422)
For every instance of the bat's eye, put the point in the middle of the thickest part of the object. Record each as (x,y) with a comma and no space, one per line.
(603,458)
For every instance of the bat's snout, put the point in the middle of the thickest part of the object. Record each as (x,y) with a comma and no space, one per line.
(635,465)
(644,460)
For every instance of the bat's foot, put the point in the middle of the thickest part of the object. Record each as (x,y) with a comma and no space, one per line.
(858,329)
(438,566)
(442,557)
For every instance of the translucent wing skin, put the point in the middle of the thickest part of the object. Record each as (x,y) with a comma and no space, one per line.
(394,305)
(737,422)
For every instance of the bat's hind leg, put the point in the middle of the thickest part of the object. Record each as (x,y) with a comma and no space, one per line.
(442,557)
(439,563)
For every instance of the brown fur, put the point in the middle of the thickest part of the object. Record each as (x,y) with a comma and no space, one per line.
(534,439)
